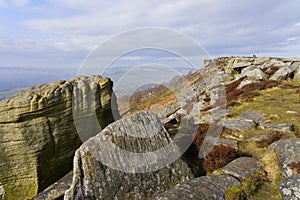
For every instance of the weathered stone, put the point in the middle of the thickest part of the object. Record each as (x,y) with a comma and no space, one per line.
(252,115)
(128,147)
(288,151)
(237,124)
(278,63)
(222,141)
(57,190)
(296,66)
(282,74)
(289,188)
(1,192)
(242,167)
(261,60)
(245,82)
(203,188)
(241,64)
(287,127)
(216,114)
(261,138)
(254,74)
(38,136)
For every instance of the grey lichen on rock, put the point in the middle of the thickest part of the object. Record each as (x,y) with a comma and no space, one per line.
(288,151)
(290,188)
(242,167)
(252,115)
(286,127)
(238,124)
(1,191)
(121,161)
(202,188)
(38,136)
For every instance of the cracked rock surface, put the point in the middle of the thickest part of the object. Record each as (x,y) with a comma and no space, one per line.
(111,164)
(38,136)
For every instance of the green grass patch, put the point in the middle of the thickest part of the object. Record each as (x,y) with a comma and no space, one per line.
(278,105)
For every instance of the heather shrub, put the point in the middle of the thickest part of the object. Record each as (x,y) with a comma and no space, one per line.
(220,156)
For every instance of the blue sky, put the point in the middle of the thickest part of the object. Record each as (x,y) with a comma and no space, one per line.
(61,33)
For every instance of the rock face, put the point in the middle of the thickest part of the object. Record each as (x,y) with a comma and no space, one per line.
(203,188)
(38,136)
(242,167)
(290,188)
(288,151)
(128,148)
(1,192)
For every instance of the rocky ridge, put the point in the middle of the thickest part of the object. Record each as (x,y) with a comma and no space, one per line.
(244,99)
(245,110)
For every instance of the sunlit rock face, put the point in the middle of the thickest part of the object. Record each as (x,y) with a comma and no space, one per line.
(38,134)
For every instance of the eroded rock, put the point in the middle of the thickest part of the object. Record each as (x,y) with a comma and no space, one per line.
(289,188)
(202,188)
(143,137)
(254,74)
(288,151)
(252,115)
(1,192)
(282,74)
(242,167)
(38,136)
(237,124)
(286,127)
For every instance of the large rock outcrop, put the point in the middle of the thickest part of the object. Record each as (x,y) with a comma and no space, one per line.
(135,151)
(38,135)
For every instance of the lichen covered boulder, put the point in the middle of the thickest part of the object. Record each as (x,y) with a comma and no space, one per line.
(38,135)
(242,167)
(127,160)
(290,188)
(203,188)
(288,152)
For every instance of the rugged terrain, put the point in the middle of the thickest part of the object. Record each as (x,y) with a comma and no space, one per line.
(236,123)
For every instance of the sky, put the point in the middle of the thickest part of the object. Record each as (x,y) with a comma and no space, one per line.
(62,33)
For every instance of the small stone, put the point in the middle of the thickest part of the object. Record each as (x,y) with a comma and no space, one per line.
(252,115)
(242,167)
(237,124)
(286,127)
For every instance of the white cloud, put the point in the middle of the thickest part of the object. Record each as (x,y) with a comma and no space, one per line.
(2,3)
(20,3)
(223,27)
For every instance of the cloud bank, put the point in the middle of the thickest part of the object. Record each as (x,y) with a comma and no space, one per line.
(61,33)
